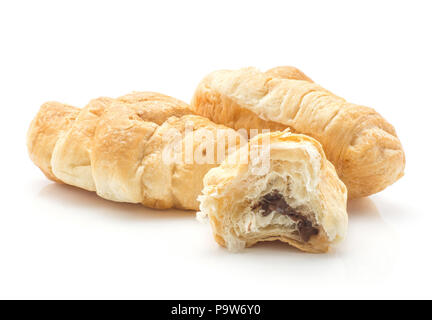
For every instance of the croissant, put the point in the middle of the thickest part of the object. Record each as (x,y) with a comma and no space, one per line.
(361,144)
(299,199)
(115,147)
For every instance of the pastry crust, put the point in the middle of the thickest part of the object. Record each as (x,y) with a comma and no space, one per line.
(115,148)
(361,144)
(312,193)
(288,72)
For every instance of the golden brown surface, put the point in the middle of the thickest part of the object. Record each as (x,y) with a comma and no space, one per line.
(114,147)
(361,144)
(288,72)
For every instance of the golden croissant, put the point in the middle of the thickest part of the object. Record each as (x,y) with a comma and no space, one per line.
(115,147)
(361,144)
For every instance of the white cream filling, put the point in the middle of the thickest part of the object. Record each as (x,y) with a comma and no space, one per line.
(296,180)
(253,222)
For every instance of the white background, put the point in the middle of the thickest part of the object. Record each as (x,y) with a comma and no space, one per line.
(61,242)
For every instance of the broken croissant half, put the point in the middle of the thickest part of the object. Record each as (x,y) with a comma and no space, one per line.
(298,199)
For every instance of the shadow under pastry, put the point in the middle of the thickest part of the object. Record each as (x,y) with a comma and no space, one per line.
(372,246)
(76,198)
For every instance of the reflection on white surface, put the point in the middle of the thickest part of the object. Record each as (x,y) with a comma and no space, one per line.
(367,253)
(372,246)
(66,239)
(79,199)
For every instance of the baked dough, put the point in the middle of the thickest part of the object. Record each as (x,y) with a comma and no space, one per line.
(115,148)
(361,144)
(299,200)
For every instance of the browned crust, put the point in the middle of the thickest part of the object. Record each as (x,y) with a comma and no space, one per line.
(362,145)
(223,110)
(288,72)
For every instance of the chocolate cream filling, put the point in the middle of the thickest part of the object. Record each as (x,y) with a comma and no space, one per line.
(274,201)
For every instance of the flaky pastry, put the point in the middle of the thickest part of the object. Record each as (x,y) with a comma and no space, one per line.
(361,144)
(115,147)
(299,199)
